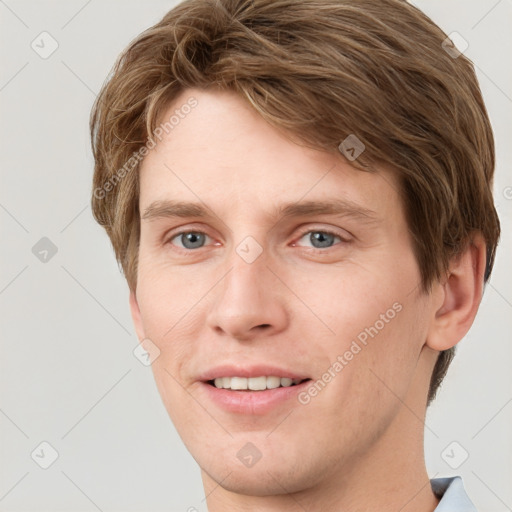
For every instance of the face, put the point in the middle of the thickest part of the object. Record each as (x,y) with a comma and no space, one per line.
(275,264)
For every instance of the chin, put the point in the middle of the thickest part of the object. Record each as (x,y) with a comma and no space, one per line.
(265,478)
(251,482)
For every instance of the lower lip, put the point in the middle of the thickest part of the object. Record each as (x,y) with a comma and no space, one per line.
(252,402)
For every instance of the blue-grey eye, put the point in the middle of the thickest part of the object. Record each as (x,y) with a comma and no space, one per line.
(320,239)
(190,239)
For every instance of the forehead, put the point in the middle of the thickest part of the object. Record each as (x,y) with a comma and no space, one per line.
(223,151)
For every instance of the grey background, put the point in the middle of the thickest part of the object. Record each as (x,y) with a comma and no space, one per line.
(68,374)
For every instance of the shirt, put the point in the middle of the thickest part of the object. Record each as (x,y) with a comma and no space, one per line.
(453,495)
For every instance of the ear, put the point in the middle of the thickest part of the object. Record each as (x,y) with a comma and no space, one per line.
(460,296)
(136,316)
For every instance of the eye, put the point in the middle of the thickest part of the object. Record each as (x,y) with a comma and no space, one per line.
(189,239)
(320,239)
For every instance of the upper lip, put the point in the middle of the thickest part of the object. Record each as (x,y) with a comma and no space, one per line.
(253,370)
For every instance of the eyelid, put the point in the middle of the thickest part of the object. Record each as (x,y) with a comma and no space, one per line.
(330,231)
(182,229)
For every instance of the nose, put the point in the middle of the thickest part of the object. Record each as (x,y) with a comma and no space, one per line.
(248,302)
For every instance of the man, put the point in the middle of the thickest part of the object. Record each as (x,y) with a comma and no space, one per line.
(299,194)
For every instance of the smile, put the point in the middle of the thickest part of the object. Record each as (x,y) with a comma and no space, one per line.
(254,383)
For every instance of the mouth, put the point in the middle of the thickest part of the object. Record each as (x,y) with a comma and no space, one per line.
(252,389)
(248,384)
(254,394)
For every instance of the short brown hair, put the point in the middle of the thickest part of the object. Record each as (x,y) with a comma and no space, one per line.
(321,70)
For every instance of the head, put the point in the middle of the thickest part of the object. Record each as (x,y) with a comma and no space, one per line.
(341,165)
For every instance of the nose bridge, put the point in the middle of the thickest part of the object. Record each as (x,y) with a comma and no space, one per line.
(245,283)
(246,299)
(247,261)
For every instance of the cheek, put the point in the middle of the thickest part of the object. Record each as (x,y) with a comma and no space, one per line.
(378,321)
(359,300)
(167,296)
(167,315)
(380,355)
(372,362)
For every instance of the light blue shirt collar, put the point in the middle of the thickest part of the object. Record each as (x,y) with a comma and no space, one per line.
(454,497)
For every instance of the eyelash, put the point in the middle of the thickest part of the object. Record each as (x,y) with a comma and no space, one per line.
(301,235)
(325,232)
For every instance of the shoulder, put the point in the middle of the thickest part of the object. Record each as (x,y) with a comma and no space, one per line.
(453,496)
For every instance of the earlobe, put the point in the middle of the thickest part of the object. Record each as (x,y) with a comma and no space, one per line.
(136,316)
(462,292)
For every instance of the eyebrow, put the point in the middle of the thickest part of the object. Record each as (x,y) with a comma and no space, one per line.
(338,207)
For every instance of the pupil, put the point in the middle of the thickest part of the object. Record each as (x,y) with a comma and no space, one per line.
(319,239)
(192,240)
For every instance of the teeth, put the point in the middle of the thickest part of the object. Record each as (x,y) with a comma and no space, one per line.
(273,382)
(257,383)
(254,383)
(238,383)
